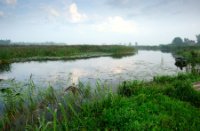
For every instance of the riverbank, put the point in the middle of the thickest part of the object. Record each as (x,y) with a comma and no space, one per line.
(166,102)
(189,52)
(20,53)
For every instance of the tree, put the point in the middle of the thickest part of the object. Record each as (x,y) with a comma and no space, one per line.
(136,44)
(188,41)
(177,41)
(198,39)
(5,41)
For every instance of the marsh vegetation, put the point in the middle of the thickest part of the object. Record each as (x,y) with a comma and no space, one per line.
(161,103)
(13,53)
(167,102)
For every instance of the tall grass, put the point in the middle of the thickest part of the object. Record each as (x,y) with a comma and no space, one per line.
(37,52)
(166,103)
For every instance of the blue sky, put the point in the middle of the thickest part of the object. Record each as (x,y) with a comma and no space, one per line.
(149,22)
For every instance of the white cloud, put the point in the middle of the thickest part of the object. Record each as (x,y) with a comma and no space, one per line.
(116,24)
(11,2)
(75,16)
(52,12)
(1,13)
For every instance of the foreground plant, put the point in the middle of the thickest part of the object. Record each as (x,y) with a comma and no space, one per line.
(166,103)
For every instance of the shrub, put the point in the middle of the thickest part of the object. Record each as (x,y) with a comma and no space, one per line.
(184,91)
(128,88)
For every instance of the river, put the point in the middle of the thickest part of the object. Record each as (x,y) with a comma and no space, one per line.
(144,65)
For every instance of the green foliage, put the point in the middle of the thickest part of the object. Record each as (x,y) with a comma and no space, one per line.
(45,52)
(177,41)
(163,79)
(141,112)
(5,42)
(181,77)
(190,52)
(183,90)
(166,103)
(129,88)
(198,39)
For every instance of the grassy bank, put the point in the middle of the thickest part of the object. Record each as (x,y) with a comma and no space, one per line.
(191,53)
(166,103)
(12,53)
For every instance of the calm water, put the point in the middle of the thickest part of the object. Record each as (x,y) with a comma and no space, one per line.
(141,66)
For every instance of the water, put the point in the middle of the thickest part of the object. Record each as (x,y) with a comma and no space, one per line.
(141,66)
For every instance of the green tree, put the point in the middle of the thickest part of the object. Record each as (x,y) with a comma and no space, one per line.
(5,41)
(177,41)
(198,38)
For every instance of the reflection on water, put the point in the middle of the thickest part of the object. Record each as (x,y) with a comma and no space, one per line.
(119,56)
(181,62)
(142,66)
(190,67)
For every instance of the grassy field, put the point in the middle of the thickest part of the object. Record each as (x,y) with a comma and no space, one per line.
(166,103)
(12,53)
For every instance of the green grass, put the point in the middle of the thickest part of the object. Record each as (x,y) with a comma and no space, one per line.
(144,111)
(165,103)
(190,52)
(14,53)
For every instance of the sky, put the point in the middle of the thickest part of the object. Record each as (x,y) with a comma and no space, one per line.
(147,22)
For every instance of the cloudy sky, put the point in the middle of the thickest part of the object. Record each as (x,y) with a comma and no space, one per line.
(149,22)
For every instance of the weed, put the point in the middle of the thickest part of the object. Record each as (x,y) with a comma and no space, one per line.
(166,103)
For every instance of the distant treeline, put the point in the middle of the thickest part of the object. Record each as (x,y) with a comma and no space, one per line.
(2,42)
(176,43)
(9,42)
(169,47)
(145,47)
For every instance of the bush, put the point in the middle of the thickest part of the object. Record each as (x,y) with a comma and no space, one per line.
(184,91)
(163,79)
(128,88)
